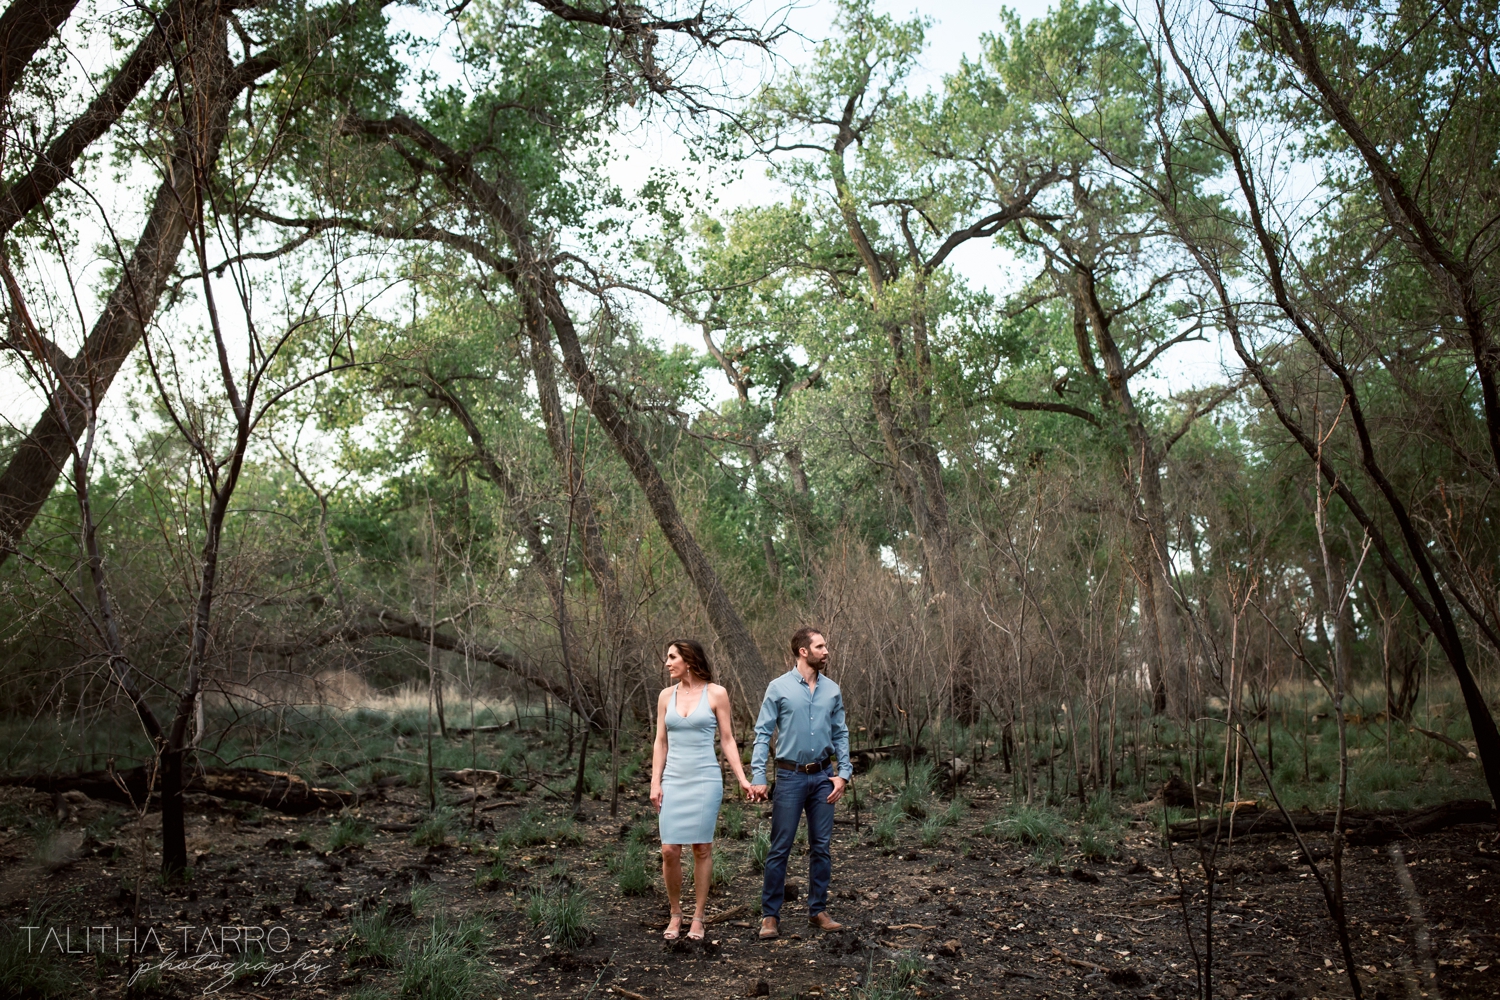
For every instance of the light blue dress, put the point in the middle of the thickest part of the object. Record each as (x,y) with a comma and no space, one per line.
(692,786)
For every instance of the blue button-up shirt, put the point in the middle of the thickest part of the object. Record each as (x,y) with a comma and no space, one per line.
(808,723)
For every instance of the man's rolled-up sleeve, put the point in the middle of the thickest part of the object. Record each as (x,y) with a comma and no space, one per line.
(765,726)
(841,737)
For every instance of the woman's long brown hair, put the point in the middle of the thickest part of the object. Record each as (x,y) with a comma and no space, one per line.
(696,659)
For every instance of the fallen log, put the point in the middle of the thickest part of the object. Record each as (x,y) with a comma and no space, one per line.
(1362,826)
(278,790)
(864,758)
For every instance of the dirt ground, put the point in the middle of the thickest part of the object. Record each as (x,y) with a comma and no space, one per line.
(984,918)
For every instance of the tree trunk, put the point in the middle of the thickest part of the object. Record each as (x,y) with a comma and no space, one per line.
(173,822)
(25,27)
(536,281)
(1148,510)
(728,626)
(571,467)
(38,460)
(531,532)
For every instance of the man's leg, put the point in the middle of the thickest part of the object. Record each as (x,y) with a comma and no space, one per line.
(786,811)
(819,841)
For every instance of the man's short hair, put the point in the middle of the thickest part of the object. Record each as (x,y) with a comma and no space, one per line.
(802,639)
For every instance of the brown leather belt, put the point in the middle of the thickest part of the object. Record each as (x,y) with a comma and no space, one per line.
(813,768)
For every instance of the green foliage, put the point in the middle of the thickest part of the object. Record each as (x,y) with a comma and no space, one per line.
(732,821)
(377,935)
(884,830)
(933,826)
(347,832)
(432,831)
(444,964)
(1035,826)
(899,982)
(29,973)
(535,827)
(912,800)
(493,875)
(726,868)
(560,911)
(632,870)
(760,849)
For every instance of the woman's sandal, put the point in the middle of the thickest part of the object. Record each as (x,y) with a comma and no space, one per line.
(697,922)
(671,933)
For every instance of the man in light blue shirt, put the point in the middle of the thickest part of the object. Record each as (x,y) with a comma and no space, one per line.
(805,711)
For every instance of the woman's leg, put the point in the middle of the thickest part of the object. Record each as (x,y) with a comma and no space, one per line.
(703,876)
(671,874)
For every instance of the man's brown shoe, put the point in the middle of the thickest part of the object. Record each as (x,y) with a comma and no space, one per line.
(824,922)
(768,929)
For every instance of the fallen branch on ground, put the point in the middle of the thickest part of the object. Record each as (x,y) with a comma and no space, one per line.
(1363,826)
(276,790)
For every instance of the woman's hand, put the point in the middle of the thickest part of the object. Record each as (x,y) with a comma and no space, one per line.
(656,795)
(745,790)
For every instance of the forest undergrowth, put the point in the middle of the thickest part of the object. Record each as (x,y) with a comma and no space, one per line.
(454,887)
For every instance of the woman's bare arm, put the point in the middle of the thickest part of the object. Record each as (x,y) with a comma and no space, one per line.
(719,702)
(659,748)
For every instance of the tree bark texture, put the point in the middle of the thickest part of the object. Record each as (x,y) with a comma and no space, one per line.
(34,468)
(25,27)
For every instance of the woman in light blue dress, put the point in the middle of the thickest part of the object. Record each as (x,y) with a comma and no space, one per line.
(687,785)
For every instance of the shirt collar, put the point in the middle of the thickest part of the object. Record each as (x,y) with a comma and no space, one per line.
(797,674)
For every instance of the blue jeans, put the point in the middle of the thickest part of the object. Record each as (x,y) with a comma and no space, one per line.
(795,794)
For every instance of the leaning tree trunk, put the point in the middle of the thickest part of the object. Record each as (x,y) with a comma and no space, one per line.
(25,27)
(728,626)
(530,528)
(570,466)
(536,282)
(32,472)
(1170,687)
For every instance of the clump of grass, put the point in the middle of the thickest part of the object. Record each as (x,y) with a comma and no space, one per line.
(932,831)
(560,912)
(884,830)
(493,875)
(933,826)
(1039,827)
(643,832)
(732,821)
(444,964)
(28,974)
(376,936)
(565,832)
(349,831)
(632,873)
(726,867)
(536,827)
(1099,837)
(760,848)
(432,831)
(912,799)
(898,983)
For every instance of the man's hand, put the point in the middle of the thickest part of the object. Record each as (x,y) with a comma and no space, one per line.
(758,793)
(839,784)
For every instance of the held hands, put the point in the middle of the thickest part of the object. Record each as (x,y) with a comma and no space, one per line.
(757,793)
(747,789)
(839,784)
(656,795)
